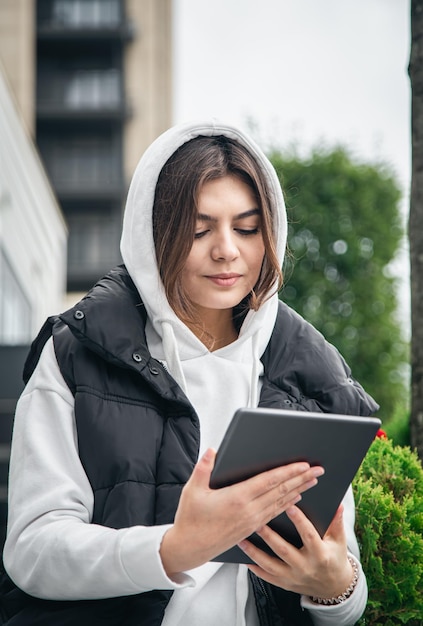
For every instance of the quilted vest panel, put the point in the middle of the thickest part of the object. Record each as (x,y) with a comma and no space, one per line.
(137,451)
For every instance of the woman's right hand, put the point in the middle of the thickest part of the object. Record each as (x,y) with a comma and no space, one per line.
(210,521)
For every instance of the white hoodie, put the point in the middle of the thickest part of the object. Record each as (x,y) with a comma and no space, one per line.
(52,550)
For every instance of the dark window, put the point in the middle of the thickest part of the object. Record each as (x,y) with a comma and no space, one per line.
(79,13)
(80,89)
(93,245)
(81,162)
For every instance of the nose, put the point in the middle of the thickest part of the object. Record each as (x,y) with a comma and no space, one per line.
(224,246)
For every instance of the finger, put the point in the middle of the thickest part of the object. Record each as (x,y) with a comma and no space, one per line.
(272,503)
(336,529)
(265,566)
(306,529)
(200,476)
(280,546)
(276,501)
(284,480)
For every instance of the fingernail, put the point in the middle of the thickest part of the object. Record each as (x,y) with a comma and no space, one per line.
(318,471)
(207,455)
(311,483)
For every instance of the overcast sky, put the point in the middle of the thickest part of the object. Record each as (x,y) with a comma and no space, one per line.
(304,71)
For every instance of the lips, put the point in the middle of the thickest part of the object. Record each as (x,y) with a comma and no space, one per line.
(224,280)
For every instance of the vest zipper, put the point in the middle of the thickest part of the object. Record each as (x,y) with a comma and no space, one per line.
(265,611)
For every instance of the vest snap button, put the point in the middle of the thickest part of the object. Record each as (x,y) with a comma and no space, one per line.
(137,357)
(79,315)
(154,370)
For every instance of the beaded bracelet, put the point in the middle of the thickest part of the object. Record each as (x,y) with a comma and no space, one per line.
(348,591)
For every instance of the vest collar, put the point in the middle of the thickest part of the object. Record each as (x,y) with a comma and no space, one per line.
(110,321)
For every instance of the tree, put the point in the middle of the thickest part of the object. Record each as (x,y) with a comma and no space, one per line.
(416,226)
(344,230)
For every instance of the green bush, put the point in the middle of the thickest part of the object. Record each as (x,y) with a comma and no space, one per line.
(389,499)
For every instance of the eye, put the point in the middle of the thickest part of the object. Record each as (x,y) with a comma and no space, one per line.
(245,232)
(200,234)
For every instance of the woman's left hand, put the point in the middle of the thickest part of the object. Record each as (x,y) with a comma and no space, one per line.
(319,568)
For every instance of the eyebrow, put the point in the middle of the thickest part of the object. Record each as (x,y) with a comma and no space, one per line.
(203,217)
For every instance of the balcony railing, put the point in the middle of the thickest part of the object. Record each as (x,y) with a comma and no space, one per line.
(78,18)
(93,246)
(80,91)
(79,13)
(90,169)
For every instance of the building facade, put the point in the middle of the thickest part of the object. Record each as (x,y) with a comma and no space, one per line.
(93,79)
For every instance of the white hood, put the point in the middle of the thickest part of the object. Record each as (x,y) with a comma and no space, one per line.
(168,337)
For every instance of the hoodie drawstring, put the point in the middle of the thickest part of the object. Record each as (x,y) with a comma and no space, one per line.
(253,396)
(171,353)
(173,361)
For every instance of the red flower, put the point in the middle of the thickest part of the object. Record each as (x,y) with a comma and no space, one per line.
(381,434)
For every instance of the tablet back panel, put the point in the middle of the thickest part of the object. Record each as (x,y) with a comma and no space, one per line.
(261,439)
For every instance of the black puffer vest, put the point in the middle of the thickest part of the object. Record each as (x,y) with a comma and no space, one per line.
(138,435)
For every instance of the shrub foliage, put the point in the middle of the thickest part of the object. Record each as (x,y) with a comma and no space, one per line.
(389,499)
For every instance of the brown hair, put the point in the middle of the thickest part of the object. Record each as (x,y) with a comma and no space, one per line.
(175,213)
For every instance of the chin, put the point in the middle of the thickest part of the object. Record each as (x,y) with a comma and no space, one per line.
(220,304)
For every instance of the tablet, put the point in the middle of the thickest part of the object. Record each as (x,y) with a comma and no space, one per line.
(261,439)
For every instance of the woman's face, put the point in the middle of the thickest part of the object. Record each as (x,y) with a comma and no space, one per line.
(228,250)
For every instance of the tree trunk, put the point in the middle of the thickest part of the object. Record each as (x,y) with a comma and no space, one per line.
(416,226)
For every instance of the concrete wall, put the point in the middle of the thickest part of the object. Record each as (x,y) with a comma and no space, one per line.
(17,54)
(148,77)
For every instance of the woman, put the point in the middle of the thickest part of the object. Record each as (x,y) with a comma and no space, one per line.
(111,517)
